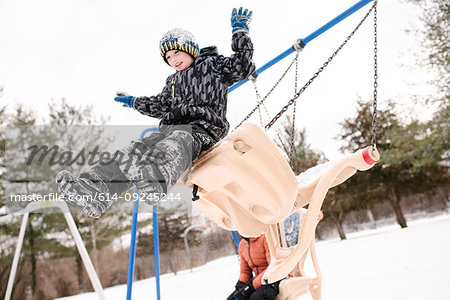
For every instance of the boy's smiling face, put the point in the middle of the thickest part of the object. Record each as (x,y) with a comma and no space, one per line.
(179,60)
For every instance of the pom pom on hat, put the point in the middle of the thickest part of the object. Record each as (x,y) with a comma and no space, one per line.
(179,39)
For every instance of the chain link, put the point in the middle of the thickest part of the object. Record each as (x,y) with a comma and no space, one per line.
(290,102)
(294,112)
(267,95)
(375,75)
(258,99)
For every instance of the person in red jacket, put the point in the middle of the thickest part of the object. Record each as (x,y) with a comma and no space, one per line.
(255,258)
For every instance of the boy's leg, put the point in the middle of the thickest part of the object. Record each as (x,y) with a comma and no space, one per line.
(156,167)
(105,181)
(96,189)
(154,164)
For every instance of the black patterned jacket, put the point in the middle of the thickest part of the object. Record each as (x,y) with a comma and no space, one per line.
(198,95)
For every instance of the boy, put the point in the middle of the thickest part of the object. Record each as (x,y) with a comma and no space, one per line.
(254,256)
(192,109)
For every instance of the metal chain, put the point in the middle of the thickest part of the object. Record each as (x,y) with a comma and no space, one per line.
(258,99)
(294,112)
(265,97)
(283,110)
(260,117)
(375,76)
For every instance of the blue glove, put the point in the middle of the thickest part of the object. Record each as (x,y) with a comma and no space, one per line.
(126,100)
(240,19)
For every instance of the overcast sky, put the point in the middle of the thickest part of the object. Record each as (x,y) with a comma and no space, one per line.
(86,50)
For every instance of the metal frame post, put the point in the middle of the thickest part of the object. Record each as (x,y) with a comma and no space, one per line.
(95,281)
(186,243)
(134,225)
(156,251)
(15,263)
(235,238)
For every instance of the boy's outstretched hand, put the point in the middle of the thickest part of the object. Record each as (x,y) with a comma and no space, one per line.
(240,19)
(126,100)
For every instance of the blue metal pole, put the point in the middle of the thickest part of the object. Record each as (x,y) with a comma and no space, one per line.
(336,20)
(302,42)
(235,239)
(156,250)
(132,253)
(134,223)
(263,68)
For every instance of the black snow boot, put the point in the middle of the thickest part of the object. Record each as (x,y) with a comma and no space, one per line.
(95,190)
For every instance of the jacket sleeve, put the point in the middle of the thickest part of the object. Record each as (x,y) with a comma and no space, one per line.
(155,106)
(240,65)
(245,274)
(257,280)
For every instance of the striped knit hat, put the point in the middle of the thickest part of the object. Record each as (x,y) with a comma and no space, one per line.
(179,39)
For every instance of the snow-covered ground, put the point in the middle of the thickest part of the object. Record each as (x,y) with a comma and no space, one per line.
(383,264)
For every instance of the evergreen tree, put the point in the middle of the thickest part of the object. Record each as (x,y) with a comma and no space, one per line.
(435,45)
(47,233)
(3,117)
(435,42)
(77,124)
(357,133)
(21,117)
(414,155)
(408,159)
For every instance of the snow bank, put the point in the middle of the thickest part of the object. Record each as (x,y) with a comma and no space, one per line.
(383,264)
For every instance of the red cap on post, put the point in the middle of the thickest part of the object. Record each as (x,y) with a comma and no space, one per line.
(371,156)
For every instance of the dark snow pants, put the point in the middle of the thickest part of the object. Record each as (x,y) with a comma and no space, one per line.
(265,292)
(153,164)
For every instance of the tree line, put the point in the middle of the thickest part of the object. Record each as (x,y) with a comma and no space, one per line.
(415,161)
(414,153)
(48,240)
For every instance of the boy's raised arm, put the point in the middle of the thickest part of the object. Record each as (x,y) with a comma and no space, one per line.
(240,65)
